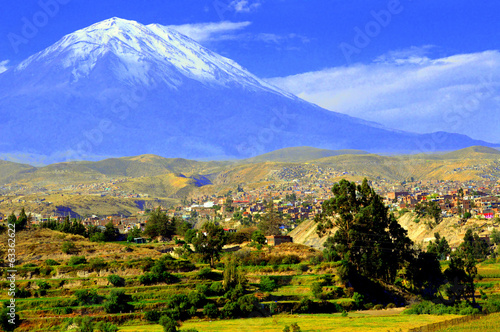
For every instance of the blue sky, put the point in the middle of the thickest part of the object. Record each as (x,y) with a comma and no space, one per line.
(348,56)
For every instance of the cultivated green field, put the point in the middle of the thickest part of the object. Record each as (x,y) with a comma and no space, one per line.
(307,323)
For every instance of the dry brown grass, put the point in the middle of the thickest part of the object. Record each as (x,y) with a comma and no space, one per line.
(36,246)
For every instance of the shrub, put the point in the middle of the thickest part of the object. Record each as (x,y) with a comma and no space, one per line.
(317,290)
(85,324)
(210,310)
(205,273)
(491,307)
(106,327)
(303,306)
(43,285)
(52,262)
(267,284)
(216,288)
(429,308)
(230,310)
(68,247)
(98,237)
(358,299)
(97,263)
(117,302)
(116,280)
(378,307)
(152,316)
(87,297)
(169,324)
(247,304)
(390,306)
(77,260)
(202,288)
(196,298)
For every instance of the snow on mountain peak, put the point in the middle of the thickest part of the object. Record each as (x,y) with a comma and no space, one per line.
(145,52)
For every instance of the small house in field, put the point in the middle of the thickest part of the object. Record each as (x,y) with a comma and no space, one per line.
(274,240)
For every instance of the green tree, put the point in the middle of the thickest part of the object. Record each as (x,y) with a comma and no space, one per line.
(159,224)
(12,220)
(210,310)
(209,242)
(368,238)
(424,272)
(430,209)
(258,237)
(317,290)
(462,269)
(267,284)
(85,324)
(168,323)
(495,236)
(439,247)
(110,232)
(22,220)
(117,302)
(232,276)
(116,280)
(271,221)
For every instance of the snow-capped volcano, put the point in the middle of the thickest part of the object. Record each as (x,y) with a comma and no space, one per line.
(148,54)
(119,88)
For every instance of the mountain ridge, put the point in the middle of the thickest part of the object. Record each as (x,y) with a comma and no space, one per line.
(122,88)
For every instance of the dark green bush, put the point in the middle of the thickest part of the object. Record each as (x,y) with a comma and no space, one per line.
(87,297)
(205,273)
(77,260)
(216,289)
(52,262)
(117,302)
(106,327)
(152,315)
(267,284)
(211,311)
(116,280)
(68,247)
(429,308)
(43,285)
(169,324)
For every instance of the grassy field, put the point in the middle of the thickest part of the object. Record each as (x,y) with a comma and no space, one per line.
(489,323)
(307,323)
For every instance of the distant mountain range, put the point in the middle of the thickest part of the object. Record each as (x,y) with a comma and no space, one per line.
(120,88)
(76,187)
(245,170)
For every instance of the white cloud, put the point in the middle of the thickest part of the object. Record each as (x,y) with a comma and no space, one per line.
(3,65)
(244,6)
(409,91)
(203,32)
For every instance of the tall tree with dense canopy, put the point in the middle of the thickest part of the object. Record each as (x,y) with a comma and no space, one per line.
(271,221)
(368,239)
(159,224)
(462,269)
(209,242)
